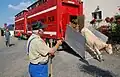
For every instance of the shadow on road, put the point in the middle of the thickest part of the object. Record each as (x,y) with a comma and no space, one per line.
(71,51)
(11,45)
(96,71)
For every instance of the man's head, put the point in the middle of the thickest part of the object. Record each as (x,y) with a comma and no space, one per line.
(40,32)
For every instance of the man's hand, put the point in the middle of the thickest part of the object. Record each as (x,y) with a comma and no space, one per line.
(53,50)
(51,55)
(59,42)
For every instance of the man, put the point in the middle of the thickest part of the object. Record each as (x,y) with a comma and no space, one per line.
(7,37)
(38,53)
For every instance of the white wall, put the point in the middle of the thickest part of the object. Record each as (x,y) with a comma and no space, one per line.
(109,7)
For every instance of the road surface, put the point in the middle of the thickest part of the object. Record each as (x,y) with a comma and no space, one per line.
(14,63)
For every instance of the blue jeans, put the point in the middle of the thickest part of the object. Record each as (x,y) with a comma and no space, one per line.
(40,70)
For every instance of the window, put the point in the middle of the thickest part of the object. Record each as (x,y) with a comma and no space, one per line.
(43,20)
(73,19)
(97,15)
(21,13)
(36,4)
(50,19)
(33,6)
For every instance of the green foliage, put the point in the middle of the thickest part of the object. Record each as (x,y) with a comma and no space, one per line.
(117,17)
(99,20)
(116,26)
(113,26)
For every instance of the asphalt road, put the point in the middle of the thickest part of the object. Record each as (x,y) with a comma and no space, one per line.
(14,63)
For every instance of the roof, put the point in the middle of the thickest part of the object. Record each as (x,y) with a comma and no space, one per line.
(38,2)
(33,4)
(21,12)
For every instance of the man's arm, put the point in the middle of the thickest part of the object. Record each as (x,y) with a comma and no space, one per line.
(54,49)
(44,50)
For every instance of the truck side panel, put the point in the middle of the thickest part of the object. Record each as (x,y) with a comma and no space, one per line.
(69,12)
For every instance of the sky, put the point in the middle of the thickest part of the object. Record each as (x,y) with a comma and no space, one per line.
(9,8)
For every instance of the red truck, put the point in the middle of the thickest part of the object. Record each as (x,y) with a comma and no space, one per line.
(56,14)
